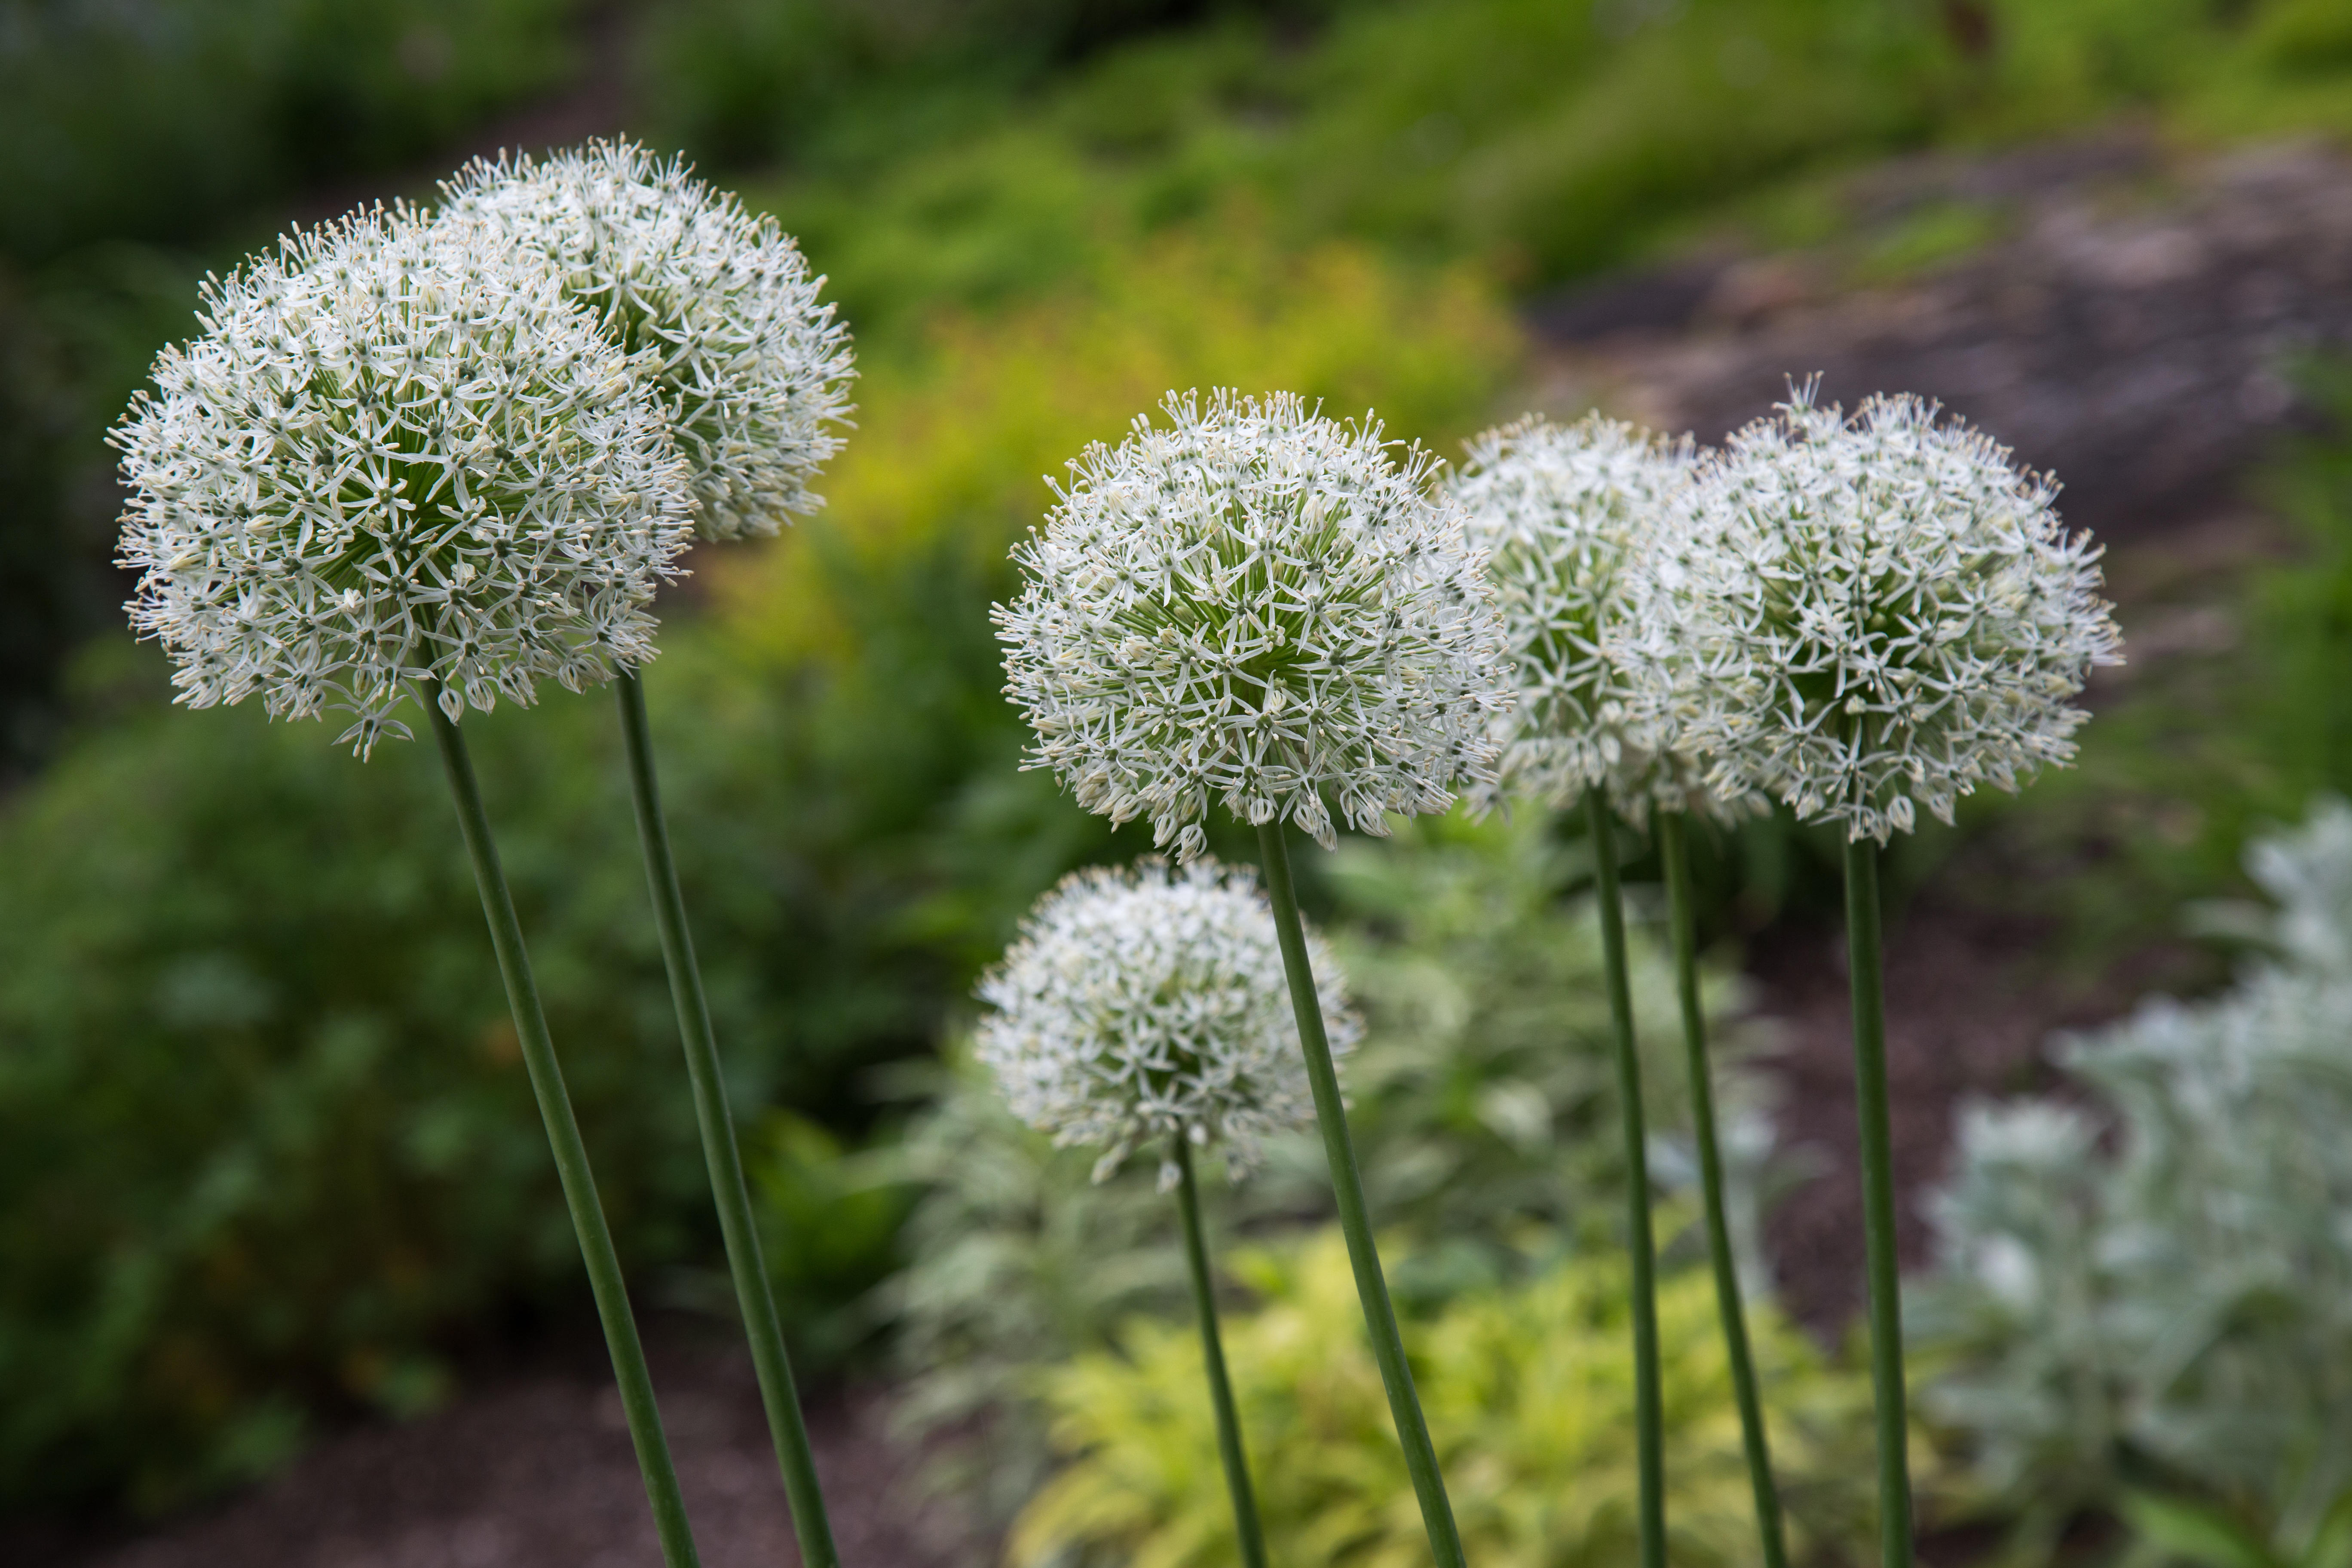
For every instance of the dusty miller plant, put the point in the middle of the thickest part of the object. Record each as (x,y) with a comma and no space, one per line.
(2157,1293)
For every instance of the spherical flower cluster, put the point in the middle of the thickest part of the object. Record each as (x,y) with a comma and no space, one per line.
(1876,612)
(1566,514)
(396,453)
(718,306)
(1257,603)
(1148,1003)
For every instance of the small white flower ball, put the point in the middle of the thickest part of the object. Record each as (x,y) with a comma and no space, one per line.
(718,306)
(1148,1002)
(1566,514)
(396,453)
(1254,604)
(1880,614)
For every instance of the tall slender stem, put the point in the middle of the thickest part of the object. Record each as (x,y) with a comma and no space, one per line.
(1650,1446)
(628,1354)
(1246,1528)
(1862,930)
(753,1293)
(1355,1220)
(1674,849)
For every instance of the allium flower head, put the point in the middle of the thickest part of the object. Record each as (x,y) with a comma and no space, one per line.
(1254,603)
(1565,514)
(396,453)
(1142,1004)
(1879,611)
(718,306)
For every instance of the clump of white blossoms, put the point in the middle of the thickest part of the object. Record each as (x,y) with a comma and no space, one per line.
(1258,604)
(1151,1003)
(1566,514)
(395,454)
(717,306)
(1876,612)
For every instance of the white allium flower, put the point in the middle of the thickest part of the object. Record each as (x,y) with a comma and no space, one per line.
(1257,603)
(718,306)
(1878,613)
(395,454)
(1566,513)
(1142,1004)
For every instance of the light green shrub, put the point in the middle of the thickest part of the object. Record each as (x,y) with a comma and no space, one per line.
(957,427)
(1529,1391)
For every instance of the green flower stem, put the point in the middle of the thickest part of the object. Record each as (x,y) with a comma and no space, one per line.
(753,1293)
(1878,1201)
(1355,1221)
(1246,1528)
(1674,849)
(1650,1447)
(571,1155)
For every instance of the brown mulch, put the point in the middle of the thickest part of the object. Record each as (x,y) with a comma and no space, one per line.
(534,1469)
(1971,1007)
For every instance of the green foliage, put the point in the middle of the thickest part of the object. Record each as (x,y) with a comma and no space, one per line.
(264,1138)
(1541,140)
(1482,1104)
(729,75)
(160,119)
(74,341)
(1528,1389)
(2211,69)
(2304,712)
(829,1221)
(1544,141)
(2172,1315)
(2173,1529)
(1485,1082)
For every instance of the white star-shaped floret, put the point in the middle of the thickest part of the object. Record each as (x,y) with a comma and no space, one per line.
(1872,615)
(396,453)
(1259,605)
(716,307)
(1151,1002)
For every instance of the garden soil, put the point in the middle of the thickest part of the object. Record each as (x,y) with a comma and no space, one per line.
(2129,319)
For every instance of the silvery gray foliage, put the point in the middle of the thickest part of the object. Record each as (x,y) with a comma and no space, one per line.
(396,453)
(1873,613)
(1141,1003)
(2183,1290)
(715,305)
(1259,605)
(1566,513)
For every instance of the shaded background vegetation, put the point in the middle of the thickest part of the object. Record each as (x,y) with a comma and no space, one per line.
(266,1159)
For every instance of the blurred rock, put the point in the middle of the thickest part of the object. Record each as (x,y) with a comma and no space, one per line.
(2133,329)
